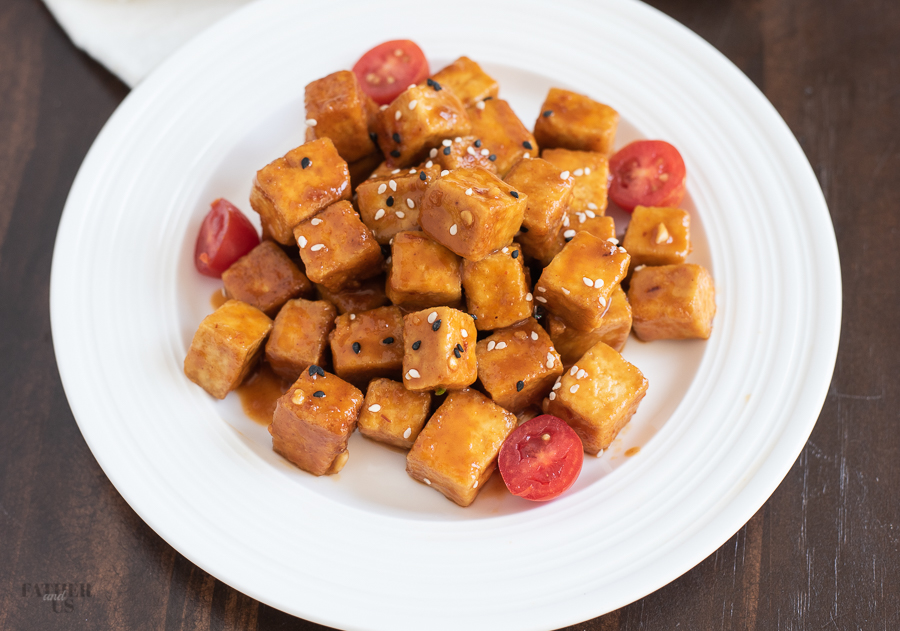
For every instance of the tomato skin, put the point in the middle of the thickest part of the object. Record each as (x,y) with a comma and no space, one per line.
(647,173)
(383,73)
(225,236)
(541,458)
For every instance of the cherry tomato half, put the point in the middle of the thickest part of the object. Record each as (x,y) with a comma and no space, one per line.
(388,69)
(541,458)
(225,236)
(647,173)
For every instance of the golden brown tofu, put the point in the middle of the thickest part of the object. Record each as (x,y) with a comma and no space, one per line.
(577,284)
(337,248)
(613,330)
(597,396)
(548,192)
(384,169)
(472,212)
(591,173)
(363,168)
(502,134)
(417,120)
(226,346)
(467,81)
(265,278)
(672,302)
(422,273)
(574,121)
(299,337)
(336,109)
(392,414)
(497,293)
(457,451)
(390,204)
(368,345)
(518,365)
(313,421)
(658,236)
(293,188)
(439,350)
(542,249)
(369,294)
(601,226)
(462,152)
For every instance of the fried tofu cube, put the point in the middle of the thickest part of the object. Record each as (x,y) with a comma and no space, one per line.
(502,134)
(591,173)
(390,204)
(226,346)
(573,121)
(313,421)
(601,226)
(577,284)
(467,81)
(363,168)
(472,212)
(337,248)
(462,152)
(265,278)
(439,350)
(368,294)
(457,451)
(392,414)
(597,396)
(417,120)
(614,328)
(658,236)
(497,292)
(672,302)
(336,109)
(542,249)
(422,273)
(299,337)
(548,192)
(518,365)
(297,186)
(368,345)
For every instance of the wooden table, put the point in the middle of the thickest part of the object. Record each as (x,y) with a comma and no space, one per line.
(822,553)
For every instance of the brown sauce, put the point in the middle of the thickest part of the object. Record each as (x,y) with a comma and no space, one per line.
(632,452)
(218,298)
(259,393)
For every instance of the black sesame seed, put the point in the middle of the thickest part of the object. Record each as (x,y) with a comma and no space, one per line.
(422,176)
(430,81)
(305,162)
(488,98)
(519,386)
(374,137)
(437,86)
(320,371)
(313,370)
(436,325)
(523,229)
(319,394)
(569,239)
(527,145)
(356,347)
(474,317)
(457,353)
(395,154)
(515,254)
(396,137)
(514,194)
(547,113)
(538,312)
(390,200)
(492,157)
(417,344)
(446,151)
(387,340)
(477,143)
(460,348)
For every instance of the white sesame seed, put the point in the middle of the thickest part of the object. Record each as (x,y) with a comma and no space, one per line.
(468,191)
(639,268)
(557,385)
(412,104)
(581,217)
(317,247)
(550,360)
(568,234)
(602,301)
(573,370)
(432,154)
(500,346)
(505,250)
(311,122)
(400,214)
(527,155)
(464,333)
(491,345)
(613,240)
(393,185)
(302,242)
(587,170)
(529,296)
(412,373)
(591,214)
(352,316)
(587,281)
(598,283)
(383,107)
(397,115)
(432,317)
(375,408)
(430,164)
(411,86)
(566,221)
(581,374)
(316,221)
(446,142)
(427,481)
(564,175)
(453,230)
(475,486)
(480,105)
(574,388)
(600,454)
(382,188)
(552,396)
(407,432)
(541,299)
(566,291)
(388,260)
(534,335)
(395,171)
(470,151)
(410,202)
(485,152)
(379,214)
(592,205)
(621,249)
(578,172)
(445,172)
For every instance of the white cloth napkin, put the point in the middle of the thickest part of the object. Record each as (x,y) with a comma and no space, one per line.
(131,37)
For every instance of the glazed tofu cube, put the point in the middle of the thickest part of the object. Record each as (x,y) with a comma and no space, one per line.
(574,121)
(265,278)
(457,451)
(672,302)
(336,109)
(296,187)
(392,414)
(467,81)
(518,365)
(299,337)
(422,273)
(390,204)
(502,134)
(313,421)
(226,346)
(337,248)
(614,328)
(439,350)
(462,152)
(369,294)
(368,345)
(497,292)
(577,284)
(549,192)
(417,120)
(363,168)
(601,226)
(658,236)
(591,173)
(597,396)
(544,248)
(472,212)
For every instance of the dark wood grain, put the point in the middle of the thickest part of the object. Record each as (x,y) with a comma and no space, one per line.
(822,553)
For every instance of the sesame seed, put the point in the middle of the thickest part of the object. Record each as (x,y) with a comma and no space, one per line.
(397,115)
(566,291)
(598,283)
(613,240)
(529,296)
(395,171)
(587,281)
(410,202)
(464,333)
(550,360)
(568,234)
(639,268)
(432,317)
(352,316)
(446,142)
(485,152)
(516,195)
(311,122)
(446,151)
(457,139)
(564,175)
(566,221)
(427,481)
(382,188)
(387,340)
(505,250)
(587,170)
(356,347)
(475,486)
(534,335)
(468,191)
(383,107)
(379,214)
(400,214)
(445,172)
(412,104)
(574,388)
(375,408)
(429,164)
(411,85)
(558,384)
(542,289)
(527,145)
(578,172)
(541,299)
(592,205)
(492,157)
(457,353)
(491,345)
(480,105)
(407,432)
(389,201)
(515,254)
(548,113)
(520,385)
(470,151)
(319,394)
(581,374)
(436,325)
(602,301)
(453,230)
(393,185)
(302,241)
(317,247)
(591,214)
(305,162)
(395,154)
(313,370)
(581,217)
(396,137)
(432,154)
(467,217)
(551,396)
(573,370)
(412,373)
(460,347)
(622,250)
(527,155)
(500,346)
(416,345)
(422,175)
(315,221)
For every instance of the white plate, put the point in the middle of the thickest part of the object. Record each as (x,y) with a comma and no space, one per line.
(721,425)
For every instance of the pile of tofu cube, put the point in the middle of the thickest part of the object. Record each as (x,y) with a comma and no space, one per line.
(394,284)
